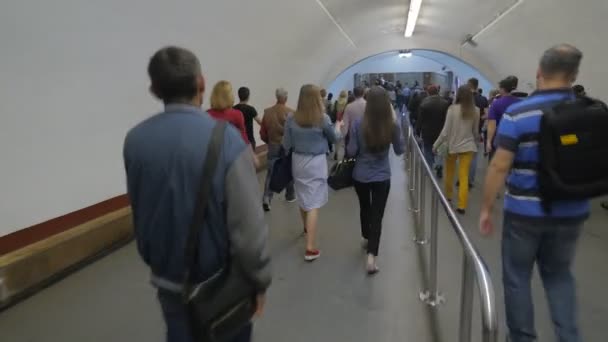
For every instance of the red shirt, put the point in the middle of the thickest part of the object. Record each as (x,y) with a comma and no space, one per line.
(234,116)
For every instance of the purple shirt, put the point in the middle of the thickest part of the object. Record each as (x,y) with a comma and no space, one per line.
(499,107)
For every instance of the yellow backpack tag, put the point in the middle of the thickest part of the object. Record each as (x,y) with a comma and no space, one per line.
(569,139)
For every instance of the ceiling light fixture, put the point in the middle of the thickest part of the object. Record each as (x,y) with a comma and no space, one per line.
(412,17)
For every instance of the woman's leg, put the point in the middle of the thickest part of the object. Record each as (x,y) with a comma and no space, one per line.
(463,176)
(365,204)
(303,215)
(450,165)
(380,191)
(311,228)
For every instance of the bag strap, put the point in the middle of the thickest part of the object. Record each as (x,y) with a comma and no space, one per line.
(207,175)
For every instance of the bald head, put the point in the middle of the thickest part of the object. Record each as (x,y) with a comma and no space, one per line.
(561,62)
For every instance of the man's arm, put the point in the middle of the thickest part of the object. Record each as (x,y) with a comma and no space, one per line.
(256,117)
(245,221)
(346,120)
(491,133)
(496,177)
(507,142)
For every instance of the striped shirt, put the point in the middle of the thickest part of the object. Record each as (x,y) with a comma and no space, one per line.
(518,132)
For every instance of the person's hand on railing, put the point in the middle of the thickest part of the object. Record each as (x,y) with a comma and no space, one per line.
(486,226)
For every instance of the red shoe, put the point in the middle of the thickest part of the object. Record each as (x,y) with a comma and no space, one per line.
(312,255)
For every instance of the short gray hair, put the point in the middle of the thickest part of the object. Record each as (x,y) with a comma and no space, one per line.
(562,59)
(174,73)
(281,93)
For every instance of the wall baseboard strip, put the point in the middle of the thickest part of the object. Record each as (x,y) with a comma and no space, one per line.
(31,267)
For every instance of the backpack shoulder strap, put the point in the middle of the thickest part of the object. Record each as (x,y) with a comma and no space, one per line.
(209,168)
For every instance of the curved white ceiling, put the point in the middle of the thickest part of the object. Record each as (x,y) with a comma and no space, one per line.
(74,72)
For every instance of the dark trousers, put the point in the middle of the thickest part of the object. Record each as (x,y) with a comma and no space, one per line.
(372,202)
(178,325)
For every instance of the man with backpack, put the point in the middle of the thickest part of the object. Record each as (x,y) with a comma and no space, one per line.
(535,231)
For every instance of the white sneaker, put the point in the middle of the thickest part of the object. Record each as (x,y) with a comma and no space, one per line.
(372,268)
(312,255)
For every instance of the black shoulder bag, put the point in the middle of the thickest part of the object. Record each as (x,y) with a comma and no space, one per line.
(220,307)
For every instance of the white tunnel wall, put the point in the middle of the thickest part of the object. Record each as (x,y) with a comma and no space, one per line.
(74,81)
(74,73)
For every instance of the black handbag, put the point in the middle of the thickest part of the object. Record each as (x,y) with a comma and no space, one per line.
(341,174)
(281,174)
(220,307)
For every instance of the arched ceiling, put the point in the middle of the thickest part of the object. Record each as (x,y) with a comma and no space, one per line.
(510,43)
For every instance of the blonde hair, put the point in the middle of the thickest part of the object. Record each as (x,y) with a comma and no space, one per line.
(222,96)
(310,107)
(342,101)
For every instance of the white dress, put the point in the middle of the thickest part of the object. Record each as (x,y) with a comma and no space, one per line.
(310,180)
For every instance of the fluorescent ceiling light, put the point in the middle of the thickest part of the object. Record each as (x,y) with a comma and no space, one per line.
(412,17)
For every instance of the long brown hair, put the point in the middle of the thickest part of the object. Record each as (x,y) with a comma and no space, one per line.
(310,107)
(378,124)
(464,98)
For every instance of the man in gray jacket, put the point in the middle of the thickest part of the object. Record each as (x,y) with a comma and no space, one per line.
(164,159)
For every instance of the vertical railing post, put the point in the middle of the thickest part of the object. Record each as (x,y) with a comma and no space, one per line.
(432,296)
(466,300)
(408,150)
(420,230)
(412,185)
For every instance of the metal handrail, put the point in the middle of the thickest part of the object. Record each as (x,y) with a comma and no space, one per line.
(474,268)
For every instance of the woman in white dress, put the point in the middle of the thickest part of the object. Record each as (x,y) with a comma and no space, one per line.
(307,133)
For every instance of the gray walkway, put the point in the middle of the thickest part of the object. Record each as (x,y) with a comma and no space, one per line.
(329,300)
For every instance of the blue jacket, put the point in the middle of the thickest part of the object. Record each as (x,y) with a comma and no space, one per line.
(371,167)
(309,140)
(163,159)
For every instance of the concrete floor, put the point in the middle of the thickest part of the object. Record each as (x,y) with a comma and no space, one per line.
(329,300)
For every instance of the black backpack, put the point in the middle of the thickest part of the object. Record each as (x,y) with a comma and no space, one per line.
(573,151)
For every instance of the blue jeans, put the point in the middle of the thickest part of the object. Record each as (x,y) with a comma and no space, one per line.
(274,152)
(178,325)
(552,246)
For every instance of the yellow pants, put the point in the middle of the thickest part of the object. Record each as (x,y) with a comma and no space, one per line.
(464,164)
